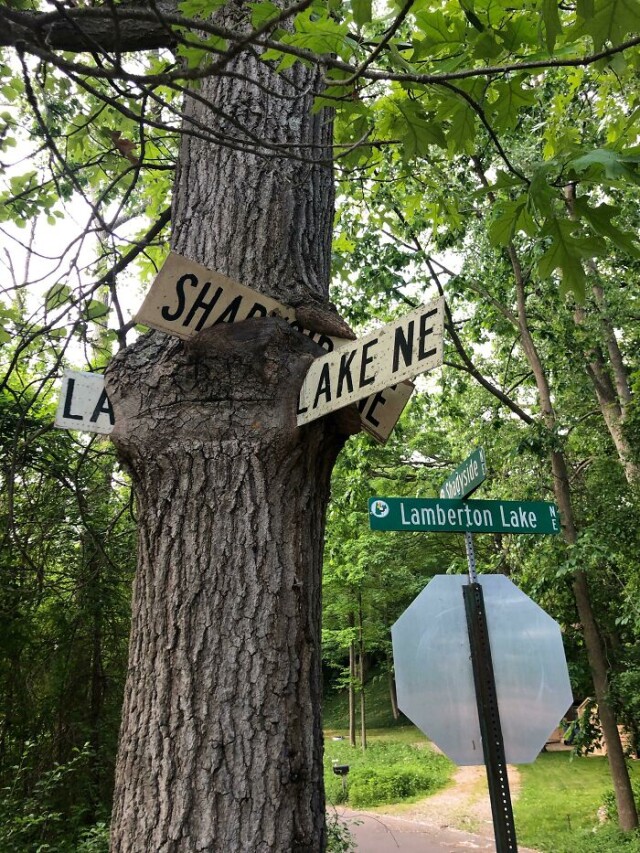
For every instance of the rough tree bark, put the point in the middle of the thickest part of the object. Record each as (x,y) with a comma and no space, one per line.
(221,742)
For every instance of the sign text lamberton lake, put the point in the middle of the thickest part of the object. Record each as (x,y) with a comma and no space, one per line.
(458,516)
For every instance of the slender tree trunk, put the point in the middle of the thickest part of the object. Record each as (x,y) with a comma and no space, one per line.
(363,707)
(393,696)
(352,683)
(221,741)
(627,813)
(613,394)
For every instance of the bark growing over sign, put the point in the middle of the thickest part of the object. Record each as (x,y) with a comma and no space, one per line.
(221,740)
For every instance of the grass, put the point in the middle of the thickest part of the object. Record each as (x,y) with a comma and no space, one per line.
(335,710)
(557,810)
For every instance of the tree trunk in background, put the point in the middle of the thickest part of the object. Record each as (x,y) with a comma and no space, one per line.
(363,708)
(598,665)
(393,696)
(221,740)
(352,684)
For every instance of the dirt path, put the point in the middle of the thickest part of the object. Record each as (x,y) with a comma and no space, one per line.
(464,804)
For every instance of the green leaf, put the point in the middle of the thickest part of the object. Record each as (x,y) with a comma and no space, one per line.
(610,21)
(541,195)
(199,8)
(361,11)
(438,36)
(511,98)
(420,131)
(95,309)
(508,216)
(321,34)
(56,296)
(614,164)
(462,132)
(552,25)
(566,253)
(263,12)
(601,218)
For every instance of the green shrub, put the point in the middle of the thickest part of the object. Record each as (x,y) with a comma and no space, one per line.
(35,815)
(385,773)
(339,838)
(372,786)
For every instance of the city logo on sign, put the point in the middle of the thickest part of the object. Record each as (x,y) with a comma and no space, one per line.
(379,509)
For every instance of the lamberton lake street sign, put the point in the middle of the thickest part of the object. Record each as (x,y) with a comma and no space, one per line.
(441,515)
(446,678)
(400,350)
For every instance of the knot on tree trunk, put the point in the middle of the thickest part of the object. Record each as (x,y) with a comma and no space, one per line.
(231,382)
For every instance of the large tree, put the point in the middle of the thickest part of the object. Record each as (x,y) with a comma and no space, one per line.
(221,742)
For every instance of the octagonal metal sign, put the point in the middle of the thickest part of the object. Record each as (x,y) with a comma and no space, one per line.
(434,677)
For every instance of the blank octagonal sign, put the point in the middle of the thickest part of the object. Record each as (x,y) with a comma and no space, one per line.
(434,678)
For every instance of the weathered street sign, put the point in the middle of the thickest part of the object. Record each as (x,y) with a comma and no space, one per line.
(186,297)
(84,404)
(467,477)
(379,413)
(458,516)
(434,676)
(401,350)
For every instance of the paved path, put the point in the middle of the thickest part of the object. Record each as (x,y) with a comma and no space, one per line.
(384,834)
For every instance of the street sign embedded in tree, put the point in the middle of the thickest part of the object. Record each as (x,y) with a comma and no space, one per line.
(467,477)
(186,298)
(441,515)
(84,404)
(400,350)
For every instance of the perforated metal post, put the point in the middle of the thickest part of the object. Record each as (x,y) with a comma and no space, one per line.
(471,557)
(488,713)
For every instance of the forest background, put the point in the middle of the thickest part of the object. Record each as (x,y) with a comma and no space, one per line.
(485,151)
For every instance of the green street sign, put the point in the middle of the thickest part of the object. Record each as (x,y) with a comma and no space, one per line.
(441,515)
(467,477)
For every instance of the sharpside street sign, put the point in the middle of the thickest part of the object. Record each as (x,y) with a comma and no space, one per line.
(467,477)
(84,404)
(400,350)
(458,516)
(186,297)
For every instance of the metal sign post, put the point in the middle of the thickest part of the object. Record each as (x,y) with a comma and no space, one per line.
(488,711)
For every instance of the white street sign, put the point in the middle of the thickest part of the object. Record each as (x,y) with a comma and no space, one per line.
(186,297)
(401,350)
(84,404)
(434,677)
(379,413)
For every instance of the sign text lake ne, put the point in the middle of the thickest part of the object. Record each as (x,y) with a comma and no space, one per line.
(458,516)
(400,350)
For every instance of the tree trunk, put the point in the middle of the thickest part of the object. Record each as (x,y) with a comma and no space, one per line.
(363,707)
(393,696)
(352,684)
(627,813)
(221,741)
